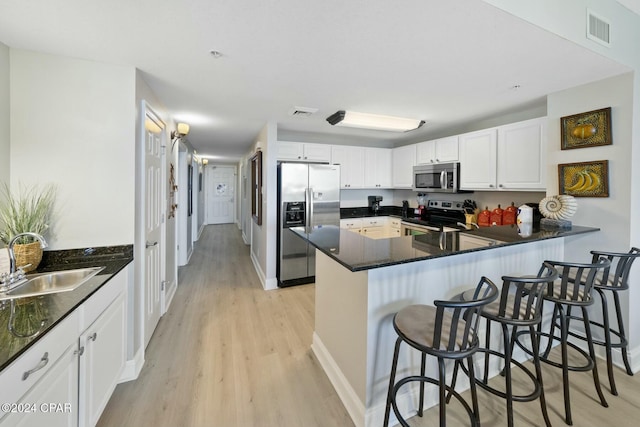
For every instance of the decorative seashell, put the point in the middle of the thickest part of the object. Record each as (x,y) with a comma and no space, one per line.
(558,207)
(569,205)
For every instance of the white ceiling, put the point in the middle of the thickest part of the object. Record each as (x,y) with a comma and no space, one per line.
(446,62)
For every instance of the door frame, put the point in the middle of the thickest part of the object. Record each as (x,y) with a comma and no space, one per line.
(147,110)
(209,169)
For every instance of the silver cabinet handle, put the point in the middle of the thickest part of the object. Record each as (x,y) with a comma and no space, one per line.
(93,336)
(149,244)
(41,364)
(80,351)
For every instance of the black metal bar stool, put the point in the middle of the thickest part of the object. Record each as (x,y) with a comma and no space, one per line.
(447,330)
(573,289)
(519,305)
(613,279)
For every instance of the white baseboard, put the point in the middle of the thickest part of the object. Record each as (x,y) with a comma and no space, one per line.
(168,296)
(347,394)
(267,284)
(133,367)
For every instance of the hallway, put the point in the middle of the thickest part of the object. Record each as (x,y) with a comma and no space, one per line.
(227,353)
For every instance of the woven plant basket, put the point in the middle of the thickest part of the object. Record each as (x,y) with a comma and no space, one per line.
(28,253)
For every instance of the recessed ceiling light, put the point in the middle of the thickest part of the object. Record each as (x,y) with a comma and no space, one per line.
(216,54)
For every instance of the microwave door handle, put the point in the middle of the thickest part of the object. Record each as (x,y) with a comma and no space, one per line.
(443,180)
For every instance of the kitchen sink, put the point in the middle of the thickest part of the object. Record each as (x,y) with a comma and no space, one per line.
(50,283)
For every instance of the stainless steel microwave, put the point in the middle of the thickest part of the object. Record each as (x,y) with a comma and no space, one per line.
(437,178)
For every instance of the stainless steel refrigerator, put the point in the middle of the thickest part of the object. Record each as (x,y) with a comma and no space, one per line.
(308,196)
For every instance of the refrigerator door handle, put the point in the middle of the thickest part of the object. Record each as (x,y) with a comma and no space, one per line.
(310,208)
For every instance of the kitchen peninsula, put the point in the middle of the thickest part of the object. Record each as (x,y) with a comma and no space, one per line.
(361,283)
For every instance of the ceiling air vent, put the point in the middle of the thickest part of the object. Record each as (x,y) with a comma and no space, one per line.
(302,111)
(598,29)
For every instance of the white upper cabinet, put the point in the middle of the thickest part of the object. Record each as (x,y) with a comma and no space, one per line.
(437,151)
(506,158)
(304,151)
(403,161)
(351,161)
(521,155)
(478,160)
(377,168)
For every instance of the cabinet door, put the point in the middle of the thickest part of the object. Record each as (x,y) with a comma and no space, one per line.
(102,361)
(478,160)
(351,160)
(317,152)
(404,159)
(521,154)
(377,168)
(446,149)
(290,150)
(53,401)
(426,152)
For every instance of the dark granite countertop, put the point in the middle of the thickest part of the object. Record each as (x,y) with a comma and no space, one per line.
(52,308)
(357,252)
(347,213)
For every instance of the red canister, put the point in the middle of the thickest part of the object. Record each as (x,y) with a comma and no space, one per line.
(509,214)
(496,216)
(484,217)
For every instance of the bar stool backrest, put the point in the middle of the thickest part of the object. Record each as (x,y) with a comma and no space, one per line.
(576,280)
(621,264)
(521,297)
(461,334)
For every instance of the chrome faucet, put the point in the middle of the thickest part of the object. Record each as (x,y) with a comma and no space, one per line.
(12,242)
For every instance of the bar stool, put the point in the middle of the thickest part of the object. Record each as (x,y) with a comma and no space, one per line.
(573,289)
(447,330)
(613,279)
(519,305)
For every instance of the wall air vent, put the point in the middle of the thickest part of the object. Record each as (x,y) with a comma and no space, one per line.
(302,111)
(598,29)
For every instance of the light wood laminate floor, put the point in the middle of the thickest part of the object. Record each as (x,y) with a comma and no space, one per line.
(228,353)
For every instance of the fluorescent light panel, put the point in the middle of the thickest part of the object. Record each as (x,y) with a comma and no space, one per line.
(373,121)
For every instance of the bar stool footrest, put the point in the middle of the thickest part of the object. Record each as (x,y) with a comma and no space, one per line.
(545,359)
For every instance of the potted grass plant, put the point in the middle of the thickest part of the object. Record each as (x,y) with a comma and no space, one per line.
(23,210)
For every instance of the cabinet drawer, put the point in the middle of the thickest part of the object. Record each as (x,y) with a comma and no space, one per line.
(34,364)
(99,301)
(395,223)
(351,223)
(378,221)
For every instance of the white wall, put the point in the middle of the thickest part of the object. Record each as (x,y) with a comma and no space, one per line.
(72,124)
(611,214)
(4,114)
(263,237)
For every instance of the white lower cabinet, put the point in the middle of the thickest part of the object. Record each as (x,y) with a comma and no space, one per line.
(102,361)
(67,377)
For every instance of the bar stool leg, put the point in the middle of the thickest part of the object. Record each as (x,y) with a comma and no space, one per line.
(474,392)
(607,341)
(535,346)
(392,380)
(423,365)
(565,362)
(507,374)
(441,392)
(592,353)
(623,335)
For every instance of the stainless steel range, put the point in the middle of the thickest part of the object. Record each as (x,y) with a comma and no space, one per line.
(440,215)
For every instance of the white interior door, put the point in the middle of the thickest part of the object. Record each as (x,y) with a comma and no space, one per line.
(220,190)
(153,219)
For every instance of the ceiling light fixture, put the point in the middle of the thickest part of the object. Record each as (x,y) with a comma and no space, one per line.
(373,121)
(181,130)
